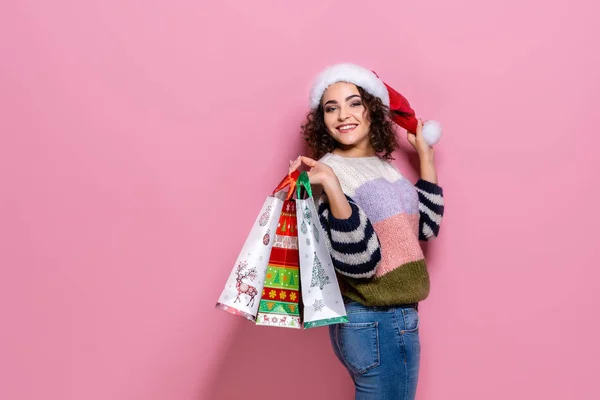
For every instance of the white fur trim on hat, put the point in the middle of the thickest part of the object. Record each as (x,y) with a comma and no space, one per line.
(350,73)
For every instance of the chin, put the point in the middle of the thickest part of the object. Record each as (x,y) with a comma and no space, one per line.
(341,140)
(348,139)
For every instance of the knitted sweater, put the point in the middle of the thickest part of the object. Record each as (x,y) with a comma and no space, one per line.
(376,251)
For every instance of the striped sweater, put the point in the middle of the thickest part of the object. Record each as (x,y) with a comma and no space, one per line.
(376,251)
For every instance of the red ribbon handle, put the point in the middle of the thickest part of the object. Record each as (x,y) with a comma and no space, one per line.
(289,180)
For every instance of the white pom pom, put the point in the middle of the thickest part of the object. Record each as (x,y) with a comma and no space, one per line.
(432,132)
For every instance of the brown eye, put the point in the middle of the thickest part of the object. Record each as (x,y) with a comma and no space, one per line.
(356,104)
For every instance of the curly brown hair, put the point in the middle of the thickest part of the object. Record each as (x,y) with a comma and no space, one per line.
(382,136)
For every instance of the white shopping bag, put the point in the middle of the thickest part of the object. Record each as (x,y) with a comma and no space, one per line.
(321,296)
(243,289)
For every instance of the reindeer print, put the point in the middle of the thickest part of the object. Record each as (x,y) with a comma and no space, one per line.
(241,286)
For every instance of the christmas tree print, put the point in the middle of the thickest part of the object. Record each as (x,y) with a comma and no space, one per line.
(264,218)
(284,228)
(319,278)
(276,280)
(292,281)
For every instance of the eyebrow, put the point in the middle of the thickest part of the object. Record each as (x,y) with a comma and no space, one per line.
(347,98)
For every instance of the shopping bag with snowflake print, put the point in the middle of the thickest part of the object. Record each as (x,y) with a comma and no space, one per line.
(321,296)
(281,296)
(242,293)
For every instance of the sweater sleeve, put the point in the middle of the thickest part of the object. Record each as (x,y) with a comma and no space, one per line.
(431,209)
(353,243)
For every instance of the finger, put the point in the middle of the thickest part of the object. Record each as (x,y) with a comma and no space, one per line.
(412,138)
(309,161)
(419,127)
(294,165)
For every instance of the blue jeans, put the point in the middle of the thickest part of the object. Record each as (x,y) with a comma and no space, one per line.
(380,348)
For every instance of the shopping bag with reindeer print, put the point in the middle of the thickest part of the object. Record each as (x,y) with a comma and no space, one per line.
(244,287)
(321,296)
(281,295)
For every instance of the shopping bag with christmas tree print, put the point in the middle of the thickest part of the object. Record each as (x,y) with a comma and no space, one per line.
(242,293)
(281,295)
(321,296)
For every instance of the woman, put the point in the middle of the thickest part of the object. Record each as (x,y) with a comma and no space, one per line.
(373,218)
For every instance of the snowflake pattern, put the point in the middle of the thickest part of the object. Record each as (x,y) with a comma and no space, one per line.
(318,305)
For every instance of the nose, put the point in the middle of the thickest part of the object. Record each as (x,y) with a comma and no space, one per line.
(343,114)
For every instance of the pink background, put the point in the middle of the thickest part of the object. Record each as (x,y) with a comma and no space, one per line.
(139,139)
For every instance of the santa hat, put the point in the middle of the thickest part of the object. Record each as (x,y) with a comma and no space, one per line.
(401,112)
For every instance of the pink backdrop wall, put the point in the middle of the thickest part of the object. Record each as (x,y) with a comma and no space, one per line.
(139,138)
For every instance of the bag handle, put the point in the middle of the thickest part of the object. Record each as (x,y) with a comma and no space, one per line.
(289,180)
(303,183)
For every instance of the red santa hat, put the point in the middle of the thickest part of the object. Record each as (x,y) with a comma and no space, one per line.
(401,112)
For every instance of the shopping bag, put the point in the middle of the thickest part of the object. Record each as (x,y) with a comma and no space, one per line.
(281,293)
(321,296)
(242,293)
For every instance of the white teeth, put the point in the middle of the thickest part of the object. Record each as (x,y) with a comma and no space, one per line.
(346,127)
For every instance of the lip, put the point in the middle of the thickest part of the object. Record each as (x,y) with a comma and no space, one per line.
(345,131)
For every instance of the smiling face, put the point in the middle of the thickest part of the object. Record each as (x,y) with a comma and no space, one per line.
(346,118)
(351,122)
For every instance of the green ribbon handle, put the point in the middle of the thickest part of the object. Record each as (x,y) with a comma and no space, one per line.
(303,182)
